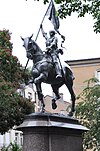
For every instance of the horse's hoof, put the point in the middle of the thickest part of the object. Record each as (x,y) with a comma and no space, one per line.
(42,110)
(70,114)
(54,105)
(43,105)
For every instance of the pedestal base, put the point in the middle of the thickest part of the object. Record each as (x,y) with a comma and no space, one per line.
(51,132)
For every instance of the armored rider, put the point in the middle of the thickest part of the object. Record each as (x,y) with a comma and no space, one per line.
(52,47)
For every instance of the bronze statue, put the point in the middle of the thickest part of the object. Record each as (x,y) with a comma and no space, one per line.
(43,71)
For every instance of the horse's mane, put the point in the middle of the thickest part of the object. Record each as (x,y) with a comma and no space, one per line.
(38,48)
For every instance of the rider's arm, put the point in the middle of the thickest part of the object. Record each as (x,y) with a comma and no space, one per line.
(54,43)
(43,33)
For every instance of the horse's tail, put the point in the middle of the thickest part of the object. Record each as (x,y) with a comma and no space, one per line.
(67,73)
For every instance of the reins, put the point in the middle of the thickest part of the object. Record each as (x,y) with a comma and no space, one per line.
(39,55)
(35,54)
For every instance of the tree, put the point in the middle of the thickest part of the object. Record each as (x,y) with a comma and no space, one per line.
(13,107)
(82,7)
(88,112)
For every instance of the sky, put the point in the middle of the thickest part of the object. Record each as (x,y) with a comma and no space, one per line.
(23,18)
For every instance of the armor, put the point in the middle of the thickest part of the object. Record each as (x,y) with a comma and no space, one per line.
(52,47)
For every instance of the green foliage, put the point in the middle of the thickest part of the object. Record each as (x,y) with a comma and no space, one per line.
(88,112)
(13,107)
(10,68)
(12,147)
(82,7)
(5,37)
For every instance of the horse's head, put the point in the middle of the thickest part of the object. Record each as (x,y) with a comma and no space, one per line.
(28,45)
(27,42)
(32,49)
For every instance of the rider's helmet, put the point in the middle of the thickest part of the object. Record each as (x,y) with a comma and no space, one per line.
(52,32)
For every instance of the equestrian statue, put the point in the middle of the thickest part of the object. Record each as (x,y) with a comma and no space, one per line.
(47,68)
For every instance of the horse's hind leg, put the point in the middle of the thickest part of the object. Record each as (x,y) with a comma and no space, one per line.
(40,96)
(73,98)
(57,96)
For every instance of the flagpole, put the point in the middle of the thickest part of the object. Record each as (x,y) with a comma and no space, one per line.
(43,20)
(38,32)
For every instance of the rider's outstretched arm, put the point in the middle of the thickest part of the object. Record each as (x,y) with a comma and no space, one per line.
(43,32)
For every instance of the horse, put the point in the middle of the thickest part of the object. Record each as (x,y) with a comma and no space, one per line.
(43,71)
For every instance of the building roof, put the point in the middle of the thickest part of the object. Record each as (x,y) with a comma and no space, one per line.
(83,61)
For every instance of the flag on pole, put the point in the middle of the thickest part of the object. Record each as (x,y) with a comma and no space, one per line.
(51,12)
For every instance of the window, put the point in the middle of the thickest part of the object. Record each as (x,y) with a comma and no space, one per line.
(21,139)
(98,75)
(16,138)
(29,95)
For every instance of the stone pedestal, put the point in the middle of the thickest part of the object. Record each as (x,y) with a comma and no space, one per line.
(51,132)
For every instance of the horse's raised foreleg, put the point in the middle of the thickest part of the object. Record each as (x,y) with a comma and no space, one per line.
(40,78)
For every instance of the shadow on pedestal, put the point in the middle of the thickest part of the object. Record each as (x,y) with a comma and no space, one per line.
(51,132)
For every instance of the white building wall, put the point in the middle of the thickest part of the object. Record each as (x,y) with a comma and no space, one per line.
(1,140)
(11,137)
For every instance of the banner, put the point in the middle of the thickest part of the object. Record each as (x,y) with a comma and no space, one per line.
(51,12)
